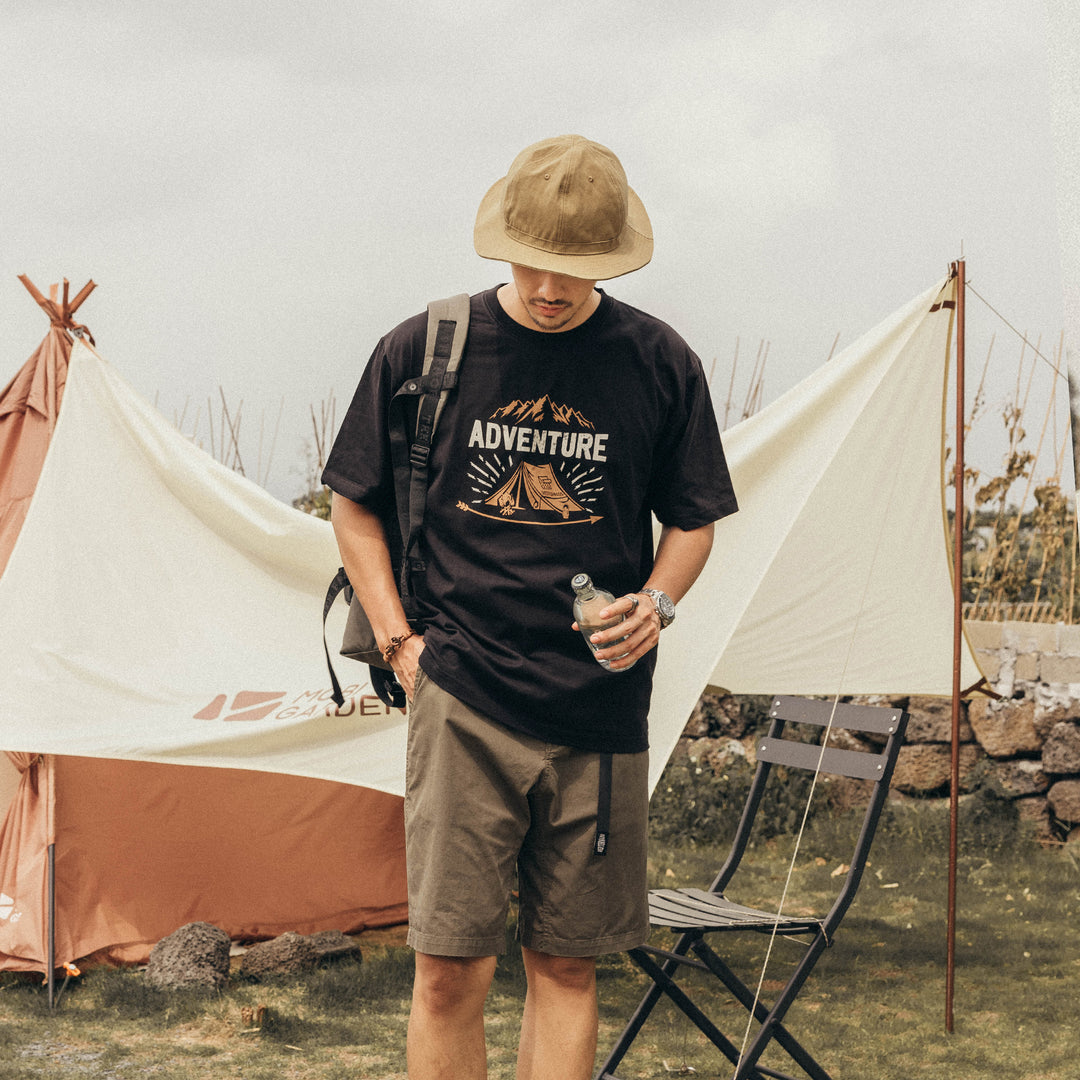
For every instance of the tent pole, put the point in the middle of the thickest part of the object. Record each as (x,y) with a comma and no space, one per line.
(958,638)
(51,957)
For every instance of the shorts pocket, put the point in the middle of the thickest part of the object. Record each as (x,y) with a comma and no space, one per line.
(420,680)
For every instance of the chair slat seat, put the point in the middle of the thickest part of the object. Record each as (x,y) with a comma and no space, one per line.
(688,908)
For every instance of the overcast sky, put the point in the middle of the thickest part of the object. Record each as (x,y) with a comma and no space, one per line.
(261,190)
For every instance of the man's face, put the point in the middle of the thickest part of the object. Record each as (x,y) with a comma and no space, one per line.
(552,302)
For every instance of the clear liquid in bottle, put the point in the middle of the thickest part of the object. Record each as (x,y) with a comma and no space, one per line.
(589,601)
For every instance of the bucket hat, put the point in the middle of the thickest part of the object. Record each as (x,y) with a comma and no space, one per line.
(565,207)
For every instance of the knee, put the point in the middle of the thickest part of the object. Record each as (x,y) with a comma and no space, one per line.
(570,973)
(445,985)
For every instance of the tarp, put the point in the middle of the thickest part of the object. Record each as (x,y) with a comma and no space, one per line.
(161,607)
(834,576)
(168,610)
(141,847)
(28,408)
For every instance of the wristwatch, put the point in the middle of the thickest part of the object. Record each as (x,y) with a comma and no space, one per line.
(665,606)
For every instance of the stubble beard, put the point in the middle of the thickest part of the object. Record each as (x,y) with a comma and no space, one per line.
(548,322)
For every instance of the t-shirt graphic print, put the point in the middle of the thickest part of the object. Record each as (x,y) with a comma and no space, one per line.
(506,480)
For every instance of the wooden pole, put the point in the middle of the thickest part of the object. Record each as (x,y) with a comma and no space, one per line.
(958,641)
(50,960)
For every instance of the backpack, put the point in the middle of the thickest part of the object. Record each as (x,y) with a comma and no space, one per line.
(447,329)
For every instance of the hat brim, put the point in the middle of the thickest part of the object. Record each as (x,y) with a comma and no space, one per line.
(633,251)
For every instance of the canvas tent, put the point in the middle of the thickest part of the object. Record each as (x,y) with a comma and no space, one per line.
(142,848)
(184,631)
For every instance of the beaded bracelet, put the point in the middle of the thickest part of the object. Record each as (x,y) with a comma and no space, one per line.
(395,644)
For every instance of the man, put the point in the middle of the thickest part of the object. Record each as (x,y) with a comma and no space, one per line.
(575,419)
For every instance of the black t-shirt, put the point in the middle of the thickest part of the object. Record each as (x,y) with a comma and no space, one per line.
(549,459)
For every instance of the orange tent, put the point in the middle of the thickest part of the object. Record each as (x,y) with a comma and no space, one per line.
(105,857)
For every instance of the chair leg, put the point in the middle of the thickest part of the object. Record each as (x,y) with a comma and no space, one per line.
(770,1027)
(641,1013)
(663,981)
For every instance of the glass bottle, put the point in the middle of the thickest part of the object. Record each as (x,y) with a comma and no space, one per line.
(589,601)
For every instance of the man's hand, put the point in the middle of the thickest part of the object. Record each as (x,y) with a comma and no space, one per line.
(406,661)
(680,557)
(640,627)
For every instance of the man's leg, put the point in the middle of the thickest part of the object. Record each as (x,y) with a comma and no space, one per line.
(558,1028)
(446,1025)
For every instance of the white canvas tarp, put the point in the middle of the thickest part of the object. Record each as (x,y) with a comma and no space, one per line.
(158,606)
(161,608)
(834,577)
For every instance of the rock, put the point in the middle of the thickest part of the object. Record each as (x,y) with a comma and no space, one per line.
(845,739)
(1061,751)
(1033,808)
(1005,682)
(714,754)
(1049,711)
(1021,777)
(931,721)
(681,754)
(846,792)
(697,727)
(284,955)
(732,723)
(717,715)
(882,701)
(749,743)
(925,768)
(721,756)
(1064,800)
(698,751)
(879,701)
(196,955)
(334,945)
(1005,729)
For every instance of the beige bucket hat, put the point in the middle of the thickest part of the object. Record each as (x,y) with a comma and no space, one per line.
(565,207)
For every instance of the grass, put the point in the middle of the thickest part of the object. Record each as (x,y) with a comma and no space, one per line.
(874,1008)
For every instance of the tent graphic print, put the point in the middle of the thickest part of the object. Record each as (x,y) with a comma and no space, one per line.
(539,486)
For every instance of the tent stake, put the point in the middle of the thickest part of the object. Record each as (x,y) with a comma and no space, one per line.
(958,636)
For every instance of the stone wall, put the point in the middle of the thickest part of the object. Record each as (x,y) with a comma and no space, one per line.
(1031,738)
(1027,744)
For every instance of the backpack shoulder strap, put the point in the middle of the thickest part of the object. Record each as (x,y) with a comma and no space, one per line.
(447,330)
(447,333)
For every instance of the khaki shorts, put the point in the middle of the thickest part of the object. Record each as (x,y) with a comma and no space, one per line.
(481,802)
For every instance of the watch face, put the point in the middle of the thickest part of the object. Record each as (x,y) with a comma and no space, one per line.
(665,606)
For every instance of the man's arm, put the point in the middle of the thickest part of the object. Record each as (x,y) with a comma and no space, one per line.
(680,557)
(365,555)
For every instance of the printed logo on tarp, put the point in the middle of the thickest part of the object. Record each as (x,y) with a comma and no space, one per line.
(252,705)
(247,705)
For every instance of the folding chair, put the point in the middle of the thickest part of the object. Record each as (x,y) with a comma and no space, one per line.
(698,913)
